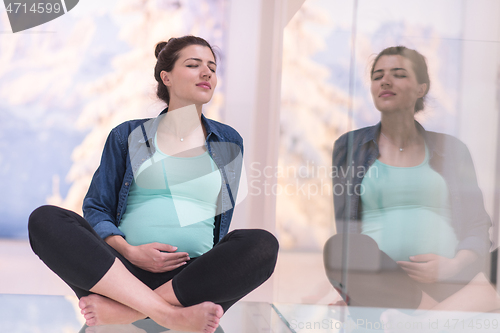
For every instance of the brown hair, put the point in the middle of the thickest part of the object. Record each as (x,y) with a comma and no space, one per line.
(419,67)
(167,54)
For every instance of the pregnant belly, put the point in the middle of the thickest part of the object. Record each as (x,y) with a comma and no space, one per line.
(158,221)
(412,231)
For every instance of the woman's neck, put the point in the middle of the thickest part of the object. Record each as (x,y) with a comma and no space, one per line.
(400,129)
(180,121)
(175,105)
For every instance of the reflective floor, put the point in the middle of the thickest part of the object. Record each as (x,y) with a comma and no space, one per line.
(60,314)
(301,318)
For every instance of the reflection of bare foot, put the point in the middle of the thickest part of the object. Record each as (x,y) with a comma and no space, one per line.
(100,310)
(114,329)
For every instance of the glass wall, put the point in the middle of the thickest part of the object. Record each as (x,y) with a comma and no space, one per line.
(419,199)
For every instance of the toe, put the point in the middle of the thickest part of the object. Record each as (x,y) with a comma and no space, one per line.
(82,303)
(214,321)
(88,316)
(219,312)
(91,322)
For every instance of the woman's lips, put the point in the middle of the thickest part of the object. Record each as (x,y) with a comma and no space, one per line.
(205,85)
(386,94)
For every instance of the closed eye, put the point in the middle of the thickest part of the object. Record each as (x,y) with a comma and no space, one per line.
(194,66)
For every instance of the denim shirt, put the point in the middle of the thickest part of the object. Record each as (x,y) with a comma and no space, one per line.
(129,145)
(354,153)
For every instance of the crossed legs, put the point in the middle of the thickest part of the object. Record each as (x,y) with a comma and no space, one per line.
(100,310)
(243,260)
(239,263)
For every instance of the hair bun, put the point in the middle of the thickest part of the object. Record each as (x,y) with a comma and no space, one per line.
(159,47)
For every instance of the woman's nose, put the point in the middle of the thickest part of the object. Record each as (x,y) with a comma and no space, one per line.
(385,81)
(206,72)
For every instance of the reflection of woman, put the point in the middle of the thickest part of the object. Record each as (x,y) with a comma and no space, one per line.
(418,196)
(161,198)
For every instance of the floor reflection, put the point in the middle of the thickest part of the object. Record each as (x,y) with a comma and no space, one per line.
(54,314)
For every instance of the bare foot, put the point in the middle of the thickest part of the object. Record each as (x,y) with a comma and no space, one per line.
(203,317)
(100,310)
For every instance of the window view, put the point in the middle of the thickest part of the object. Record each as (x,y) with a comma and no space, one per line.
(388,155)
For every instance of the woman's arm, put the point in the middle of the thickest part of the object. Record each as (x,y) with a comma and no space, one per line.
(474,222)
(339,182)
(101,202)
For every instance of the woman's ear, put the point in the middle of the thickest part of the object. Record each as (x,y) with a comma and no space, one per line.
(165,77)
(422,89)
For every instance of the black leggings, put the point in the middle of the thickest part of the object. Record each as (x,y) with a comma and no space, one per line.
(70,247)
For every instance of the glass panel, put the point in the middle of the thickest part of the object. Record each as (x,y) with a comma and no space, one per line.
(414,201)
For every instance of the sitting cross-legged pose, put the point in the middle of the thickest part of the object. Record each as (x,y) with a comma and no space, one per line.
(411,200)
(154,238)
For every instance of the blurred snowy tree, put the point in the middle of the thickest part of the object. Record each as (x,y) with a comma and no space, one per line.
(129,90)
(312,117)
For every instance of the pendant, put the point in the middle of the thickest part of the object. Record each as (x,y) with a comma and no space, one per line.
(400,149)
(182,139)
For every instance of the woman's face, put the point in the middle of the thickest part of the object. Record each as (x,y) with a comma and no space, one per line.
(193,78)
(394,85)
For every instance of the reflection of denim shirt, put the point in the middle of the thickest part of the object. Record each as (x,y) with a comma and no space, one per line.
(356,151)
(129,145)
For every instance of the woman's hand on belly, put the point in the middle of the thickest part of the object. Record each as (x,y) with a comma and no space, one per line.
(429,268)
(156,257)
(153,257)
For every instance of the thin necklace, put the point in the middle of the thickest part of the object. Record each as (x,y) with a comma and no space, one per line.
(400,148)
(189,133)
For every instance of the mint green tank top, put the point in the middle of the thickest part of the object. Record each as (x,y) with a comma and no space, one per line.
(407,210)
(173,200)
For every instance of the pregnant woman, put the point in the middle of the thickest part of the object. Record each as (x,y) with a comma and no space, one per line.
(413,196)
(154,238)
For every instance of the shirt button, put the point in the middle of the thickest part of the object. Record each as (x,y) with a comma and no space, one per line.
(126,184)
(117,214)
